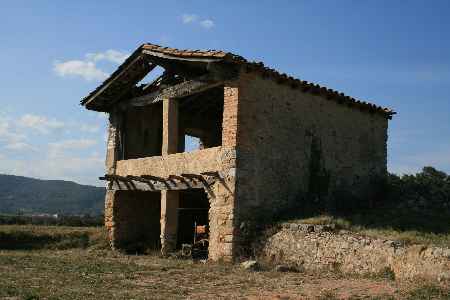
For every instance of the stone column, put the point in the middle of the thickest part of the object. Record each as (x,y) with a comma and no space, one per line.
(230,115)
(169,221)
(169,199)
(170,126)
(113,153)
(113,147)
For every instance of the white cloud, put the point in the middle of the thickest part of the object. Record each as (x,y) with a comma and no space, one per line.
(77,168)
(58,148)
(188,18)
(91,128)
(39,123)
(208,23)
(88,68)
(34,145)
(193,19)
(19,146)
(85,69)
(110,55)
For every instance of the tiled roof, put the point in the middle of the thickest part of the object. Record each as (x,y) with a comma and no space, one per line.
(250,66)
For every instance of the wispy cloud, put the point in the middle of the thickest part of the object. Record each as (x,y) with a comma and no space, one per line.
(7,133)
(19,146)
(110,55)
(87,68)
(188,18)
(194,19)
(208,23)
(92,128)
(39,123)
(43,147)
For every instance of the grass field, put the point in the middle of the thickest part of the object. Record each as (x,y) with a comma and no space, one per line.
(38,262)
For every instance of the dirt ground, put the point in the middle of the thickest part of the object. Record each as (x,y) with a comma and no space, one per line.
(103,274)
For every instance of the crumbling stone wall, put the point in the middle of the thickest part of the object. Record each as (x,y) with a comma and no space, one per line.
(295,146)
(132,217)
(315,247)
(221,193)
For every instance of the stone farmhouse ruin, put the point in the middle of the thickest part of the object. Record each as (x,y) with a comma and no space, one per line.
(267,141)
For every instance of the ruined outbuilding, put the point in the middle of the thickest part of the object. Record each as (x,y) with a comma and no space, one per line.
(267,141)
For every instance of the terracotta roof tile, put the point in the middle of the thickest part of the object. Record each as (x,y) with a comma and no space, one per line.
(281,78)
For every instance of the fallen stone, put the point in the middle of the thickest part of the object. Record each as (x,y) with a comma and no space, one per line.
(251,265)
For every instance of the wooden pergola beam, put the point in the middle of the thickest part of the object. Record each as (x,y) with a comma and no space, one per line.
(154,183)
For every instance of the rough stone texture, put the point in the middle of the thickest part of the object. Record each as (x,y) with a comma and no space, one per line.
(352,253)
(292,144)
(169,221)
(279,145)
(221,194)
(170,126)
(210,159)
(132,217)
(230,115)
(113,143)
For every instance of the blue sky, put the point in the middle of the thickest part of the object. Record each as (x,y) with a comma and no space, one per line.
(52,53)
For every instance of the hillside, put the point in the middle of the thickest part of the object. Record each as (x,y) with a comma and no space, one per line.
(29,195)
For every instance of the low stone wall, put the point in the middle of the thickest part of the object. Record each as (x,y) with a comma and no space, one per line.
(317,247)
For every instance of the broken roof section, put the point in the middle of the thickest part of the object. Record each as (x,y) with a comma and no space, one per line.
(180,65)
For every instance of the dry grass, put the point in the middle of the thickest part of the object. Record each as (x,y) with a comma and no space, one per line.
(88,272)
(406,236)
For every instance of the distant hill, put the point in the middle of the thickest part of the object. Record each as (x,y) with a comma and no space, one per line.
(29,195)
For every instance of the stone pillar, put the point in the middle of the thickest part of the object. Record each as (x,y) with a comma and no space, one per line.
(113,147)
(230,116)
(169,199)
(113,152)
(170,126)
(169,221)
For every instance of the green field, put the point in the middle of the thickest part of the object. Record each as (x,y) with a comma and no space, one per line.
(44,262)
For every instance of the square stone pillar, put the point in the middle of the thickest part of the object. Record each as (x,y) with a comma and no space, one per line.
(230,115)
(114,144)
(169,221)
(169,199)
(170,126)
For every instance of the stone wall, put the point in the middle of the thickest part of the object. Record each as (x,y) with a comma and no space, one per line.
(210,159)
(221,194)
(294,145)
(320,247)
(132,217)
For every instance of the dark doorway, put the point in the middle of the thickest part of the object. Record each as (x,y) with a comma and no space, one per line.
(193,209)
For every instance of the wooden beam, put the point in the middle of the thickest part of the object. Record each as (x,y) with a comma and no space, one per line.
(178,58)
(212,174)
(137,185)
(117,79)
(180,90)
(181,178)
(195,176)
(155,178)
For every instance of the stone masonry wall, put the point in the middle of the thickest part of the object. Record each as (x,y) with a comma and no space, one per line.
(221,194)
(315,247)
(132,217)
(291,144)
